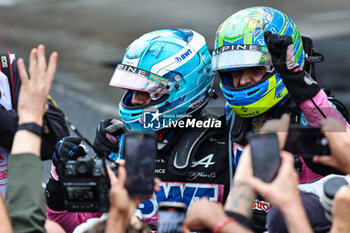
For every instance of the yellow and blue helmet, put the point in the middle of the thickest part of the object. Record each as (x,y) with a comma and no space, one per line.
(174,67)
(240,44)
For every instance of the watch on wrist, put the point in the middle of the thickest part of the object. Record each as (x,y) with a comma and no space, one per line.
(32,127)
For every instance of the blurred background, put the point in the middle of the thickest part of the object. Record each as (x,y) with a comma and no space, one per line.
(91,37)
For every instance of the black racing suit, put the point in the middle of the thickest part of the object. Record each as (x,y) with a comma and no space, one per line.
(193,164)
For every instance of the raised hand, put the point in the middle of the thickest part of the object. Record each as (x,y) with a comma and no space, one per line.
(281,50)
(32,101)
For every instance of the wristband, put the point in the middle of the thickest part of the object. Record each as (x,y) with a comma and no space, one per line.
(246,222)
(32,127)
(223,223)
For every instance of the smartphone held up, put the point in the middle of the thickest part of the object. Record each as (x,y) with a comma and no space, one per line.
(140,150)
(266,158)
(306,141)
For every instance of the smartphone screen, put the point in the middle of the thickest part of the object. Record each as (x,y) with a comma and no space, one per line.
(266,158)
(140,150)
(306,141)
(170,217)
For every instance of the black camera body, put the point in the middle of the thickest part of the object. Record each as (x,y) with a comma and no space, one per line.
(85,186)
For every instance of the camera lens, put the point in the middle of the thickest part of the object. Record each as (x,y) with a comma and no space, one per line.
(332,186)
(83,167)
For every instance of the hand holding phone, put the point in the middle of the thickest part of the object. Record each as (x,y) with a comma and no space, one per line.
(140,150)
(266,158)
(306,141)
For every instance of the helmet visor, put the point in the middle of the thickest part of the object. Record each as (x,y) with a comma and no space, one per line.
(235,57)
(132,78)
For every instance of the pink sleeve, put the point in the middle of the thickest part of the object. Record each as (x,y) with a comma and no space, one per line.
(53,173)
(69,220)
(313,113)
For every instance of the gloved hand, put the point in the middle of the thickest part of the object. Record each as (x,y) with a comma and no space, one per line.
(299,84)
(105,139)
(69,148)
(281,50)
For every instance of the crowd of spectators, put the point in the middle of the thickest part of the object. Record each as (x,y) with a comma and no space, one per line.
(26,213)
(292,206)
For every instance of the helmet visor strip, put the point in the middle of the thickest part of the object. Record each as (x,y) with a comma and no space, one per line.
(132,78)
(241,56)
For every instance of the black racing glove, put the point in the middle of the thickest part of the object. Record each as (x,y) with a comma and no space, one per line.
(105,139)
(69,148)
(299,84)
